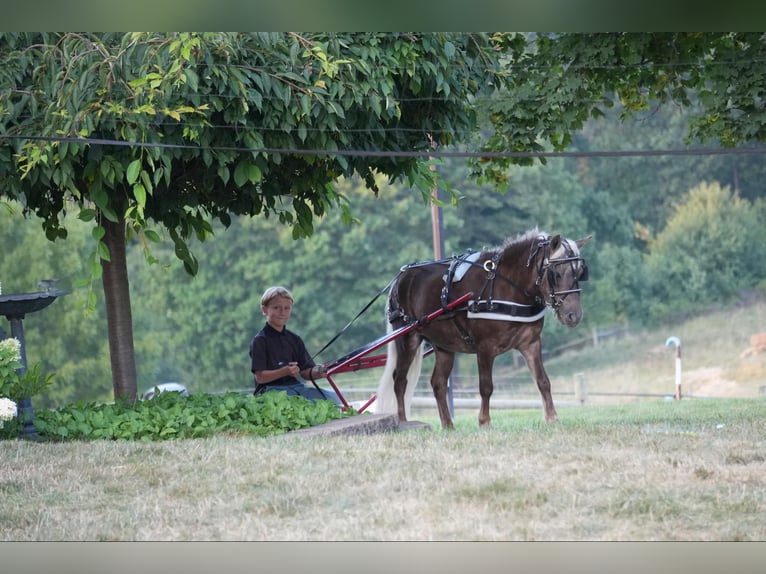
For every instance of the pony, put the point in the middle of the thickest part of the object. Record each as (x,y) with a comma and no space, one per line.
(512,288)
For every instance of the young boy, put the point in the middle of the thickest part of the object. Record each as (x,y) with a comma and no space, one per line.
(279,356)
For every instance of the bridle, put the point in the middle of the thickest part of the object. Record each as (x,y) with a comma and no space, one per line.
(548,266)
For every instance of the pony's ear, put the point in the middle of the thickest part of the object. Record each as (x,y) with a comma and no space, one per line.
(583,241)
(555,243)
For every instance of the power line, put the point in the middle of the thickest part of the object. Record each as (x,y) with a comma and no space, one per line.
(429,153)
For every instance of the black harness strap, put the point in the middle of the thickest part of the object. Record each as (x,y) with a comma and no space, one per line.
(505,308)
(490,266)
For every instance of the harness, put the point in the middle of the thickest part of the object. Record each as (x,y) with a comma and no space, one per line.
(484,305)
(490,308)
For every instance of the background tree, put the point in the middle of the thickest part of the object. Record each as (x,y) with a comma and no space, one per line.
(712,247)
(63,338)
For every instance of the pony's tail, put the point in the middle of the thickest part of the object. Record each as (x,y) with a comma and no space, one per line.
(385,397)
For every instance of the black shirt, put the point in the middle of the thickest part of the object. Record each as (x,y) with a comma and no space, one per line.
(271,349)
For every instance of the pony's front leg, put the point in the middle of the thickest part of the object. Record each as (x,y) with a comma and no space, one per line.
(486,386)
(442,369)
(534,357)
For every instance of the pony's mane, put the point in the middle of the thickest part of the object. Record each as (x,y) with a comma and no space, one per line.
(525,239)
(521,240)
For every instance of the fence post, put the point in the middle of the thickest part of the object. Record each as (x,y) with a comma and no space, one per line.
(580,388)
(677,342)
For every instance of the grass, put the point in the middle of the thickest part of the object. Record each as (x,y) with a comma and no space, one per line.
(618,468)
(655,470)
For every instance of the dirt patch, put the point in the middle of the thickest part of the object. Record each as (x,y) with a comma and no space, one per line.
(710,382)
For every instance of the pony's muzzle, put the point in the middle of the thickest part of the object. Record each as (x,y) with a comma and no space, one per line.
(569,317)
(572,318)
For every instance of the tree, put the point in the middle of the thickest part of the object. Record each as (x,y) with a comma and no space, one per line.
(133,131)
(711,247)
(577,76)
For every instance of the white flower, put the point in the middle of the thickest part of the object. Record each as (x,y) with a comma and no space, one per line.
(12,346)
(7,410)
(10,352)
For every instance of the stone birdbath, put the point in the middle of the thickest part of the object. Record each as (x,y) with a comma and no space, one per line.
(15,307)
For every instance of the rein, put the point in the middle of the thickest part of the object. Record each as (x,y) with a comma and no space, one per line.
(343,330)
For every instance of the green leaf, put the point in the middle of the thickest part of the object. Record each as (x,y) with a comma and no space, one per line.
(152,236)
(100,198)
(241,173)
(139,192)
(223,173)
(103,251)
(86,214)
(98,233)
(192,79)
(109,213)
(254,173)
(134,168)
(147,181)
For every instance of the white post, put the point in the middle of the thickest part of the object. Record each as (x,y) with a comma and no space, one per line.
(581,388)
(677,342)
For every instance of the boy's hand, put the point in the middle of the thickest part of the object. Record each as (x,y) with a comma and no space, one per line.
(293,369)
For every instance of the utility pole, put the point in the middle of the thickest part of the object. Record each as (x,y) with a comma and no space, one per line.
(437,227)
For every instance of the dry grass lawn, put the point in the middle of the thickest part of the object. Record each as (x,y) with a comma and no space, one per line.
(684,470)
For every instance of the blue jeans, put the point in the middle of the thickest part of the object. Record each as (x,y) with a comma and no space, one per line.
(311,393)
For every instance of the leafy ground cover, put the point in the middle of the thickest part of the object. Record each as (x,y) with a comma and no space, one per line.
(171,416)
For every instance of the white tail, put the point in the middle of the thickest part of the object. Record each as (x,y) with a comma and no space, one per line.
(385,401)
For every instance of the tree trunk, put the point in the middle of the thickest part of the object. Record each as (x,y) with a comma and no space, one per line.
(118,313)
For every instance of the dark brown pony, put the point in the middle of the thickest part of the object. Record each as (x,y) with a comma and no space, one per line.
(512,288)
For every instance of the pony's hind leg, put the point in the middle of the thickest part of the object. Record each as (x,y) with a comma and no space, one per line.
(407,348)
(442,369)
(534,358)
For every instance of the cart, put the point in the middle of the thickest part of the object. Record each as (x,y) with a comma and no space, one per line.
(362,357)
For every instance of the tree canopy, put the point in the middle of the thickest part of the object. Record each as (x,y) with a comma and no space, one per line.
(177,130)
(577,76)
